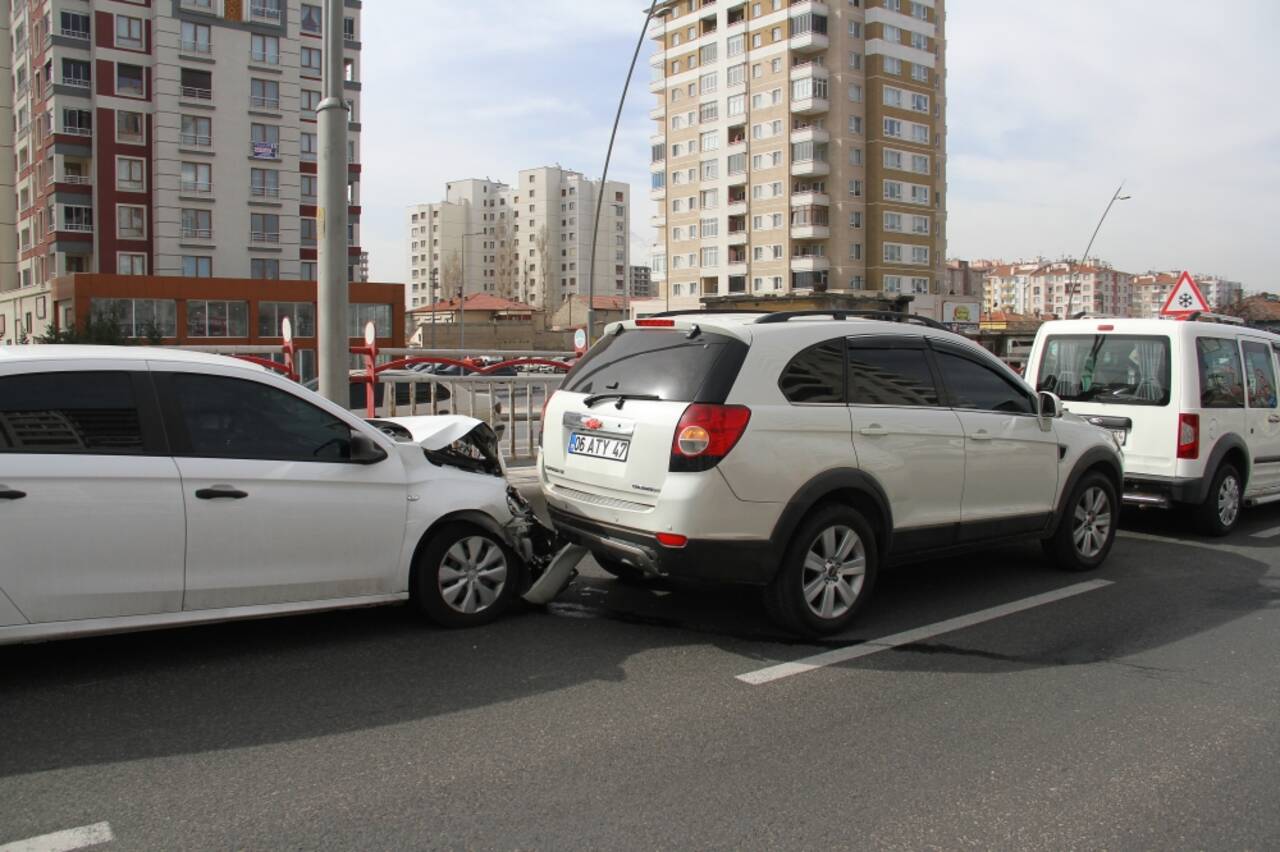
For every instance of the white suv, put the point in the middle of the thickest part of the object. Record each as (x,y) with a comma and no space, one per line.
(803,452)
(1194,403)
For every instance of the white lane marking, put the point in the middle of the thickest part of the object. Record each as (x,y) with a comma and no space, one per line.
(1271,533)
(852,652)
(64,841)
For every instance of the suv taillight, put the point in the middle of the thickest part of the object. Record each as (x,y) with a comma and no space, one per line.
(706,434)
(1188,436)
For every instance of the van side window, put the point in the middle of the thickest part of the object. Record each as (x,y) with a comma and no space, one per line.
(1221,378)
(816,374)
(1259,375)
(84,413)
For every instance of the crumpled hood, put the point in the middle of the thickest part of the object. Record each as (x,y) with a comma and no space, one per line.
(434,432)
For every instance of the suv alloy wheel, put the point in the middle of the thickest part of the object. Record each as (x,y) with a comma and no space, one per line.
(827,573)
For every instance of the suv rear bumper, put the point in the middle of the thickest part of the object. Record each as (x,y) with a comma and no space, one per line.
(746,561)
(1163,491)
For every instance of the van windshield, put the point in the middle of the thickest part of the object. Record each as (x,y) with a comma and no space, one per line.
(669,365)
(1112,369)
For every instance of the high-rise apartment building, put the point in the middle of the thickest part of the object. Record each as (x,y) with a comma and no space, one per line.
(173,138)
(8,199)
(801,147)
(529,241)
(641,286)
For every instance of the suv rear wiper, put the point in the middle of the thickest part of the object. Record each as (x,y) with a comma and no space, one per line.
(591,401)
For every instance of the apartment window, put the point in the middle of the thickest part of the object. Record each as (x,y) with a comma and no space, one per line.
(920,164)
(892,65)
(128,32)
(919,195)
(920,11)
(197,266)
(893,284)
(710,169)
(197,178)
(855,124)
(77,73)
(130,80)
(310,100)
(131,263)
(131,222)
(855,251)
(855,29)
(311,61)
(710,256)
(264,49)
(893,221)
(130,128)
(349,29)
(855,219)
(709,227)
(809,87)
(892,96)
(195,37)
(855,156)
(892,253)
(266,267)
(737,164)
(709,199)
(736,75)
(197,131)
(920,254)
(707,83)
(312,18)
(707,54)
(892,159)
(217,318)
(264,141)
(264,94)
(308,274)
(74,25)
(197,85)
(709,141)
(308,230)
(76,218)
(769,160)
(855,60)
(919,133)
(919,41)
(735,44)
(919,72)
(308,146)
(196,224)
(737,104)
(265,183)
(264,227)
(77,121)
(892,34)
(757,40)
(131,174)
(893,127)
(919,103)
(138,317)
(855,188)
(708,112)
(892,189)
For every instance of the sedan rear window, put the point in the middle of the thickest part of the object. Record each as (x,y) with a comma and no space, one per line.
(1116,369)
(91,413)
(664,363)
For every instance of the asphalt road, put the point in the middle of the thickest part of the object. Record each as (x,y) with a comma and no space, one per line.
(1137,714)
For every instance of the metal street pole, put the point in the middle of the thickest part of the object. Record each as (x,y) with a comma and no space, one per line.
(604,178)
(332,293)
(1071,287)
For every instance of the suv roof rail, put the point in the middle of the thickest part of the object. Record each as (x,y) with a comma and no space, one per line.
(693,312)
(888,316)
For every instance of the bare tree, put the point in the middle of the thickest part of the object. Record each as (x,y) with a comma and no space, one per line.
(505,270)
(542,244)
(451,276)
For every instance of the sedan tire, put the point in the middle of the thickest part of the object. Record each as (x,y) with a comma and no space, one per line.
(465,576)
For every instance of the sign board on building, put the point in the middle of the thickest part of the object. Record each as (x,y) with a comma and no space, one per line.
(263,150)
(961,316)
(1185,298)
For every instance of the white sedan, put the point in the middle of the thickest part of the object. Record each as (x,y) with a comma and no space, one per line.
(143,487)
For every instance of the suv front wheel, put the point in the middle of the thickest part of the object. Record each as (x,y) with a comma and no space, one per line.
(826,575)
(1088,529)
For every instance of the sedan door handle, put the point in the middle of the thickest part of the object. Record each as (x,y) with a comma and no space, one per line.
(981,435)
(221,492)
(11,494)
(873,430)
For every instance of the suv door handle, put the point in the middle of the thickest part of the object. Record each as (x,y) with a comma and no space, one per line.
(873,430)
(1273,418)
(221,492)
(980,435)
(11,494)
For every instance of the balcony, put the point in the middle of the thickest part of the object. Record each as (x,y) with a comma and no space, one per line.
(272,237)
(658,193)
(737,238)
(736,208)
(810,232)
(658,220)
(810,134)
(810,263)
(658,85)
(812,41)
(76,227)
(264,12)
(809,69)
(802,168)
(77,82)
(810,199)
(196,94)
(197,233)
(76,180)
(195,187)
(261,191)
(659,112)
(811,105)
(195,140)
(816,7)
(262,102)
(200,47)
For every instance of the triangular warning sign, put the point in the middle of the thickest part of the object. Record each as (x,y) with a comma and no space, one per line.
(1185,298)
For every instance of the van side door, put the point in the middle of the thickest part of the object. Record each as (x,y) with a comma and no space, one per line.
(1263,416)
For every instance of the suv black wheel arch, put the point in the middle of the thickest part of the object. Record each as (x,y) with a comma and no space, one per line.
(847,486)
(1097,458)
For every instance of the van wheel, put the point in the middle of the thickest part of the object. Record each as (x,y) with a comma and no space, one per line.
(465,576)
(1087,531)
(620,570)
(1220,512)
(826,575)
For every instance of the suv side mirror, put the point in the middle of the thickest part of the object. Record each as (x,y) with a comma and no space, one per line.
(1049,404)
(364,450)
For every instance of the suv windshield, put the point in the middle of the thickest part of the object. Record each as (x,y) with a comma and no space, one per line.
(668,364)
(1112,368)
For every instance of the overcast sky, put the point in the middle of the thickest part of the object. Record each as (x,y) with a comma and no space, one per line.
(1050,106)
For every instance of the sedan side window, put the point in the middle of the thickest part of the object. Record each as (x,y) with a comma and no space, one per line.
(973,386)
(237,418)
(84,413)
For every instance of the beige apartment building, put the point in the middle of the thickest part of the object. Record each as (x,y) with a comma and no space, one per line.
(529,241)
(801,147)
(1056,288)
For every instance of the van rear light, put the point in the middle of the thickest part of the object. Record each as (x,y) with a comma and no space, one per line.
(1188,436)
(672,539)
(655,323)
(706,434)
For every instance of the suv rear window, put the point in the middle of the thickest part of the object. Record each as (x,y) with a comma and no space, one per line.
(1114,369)
(664,363)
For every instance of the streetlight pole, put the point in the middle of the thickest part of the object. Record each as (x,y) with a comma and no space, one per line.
(1071,286)
(332,293)
(604,177)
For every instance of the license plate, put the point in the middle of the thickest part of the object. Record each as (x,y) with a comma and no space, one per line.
(1121,435)
(613,449)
